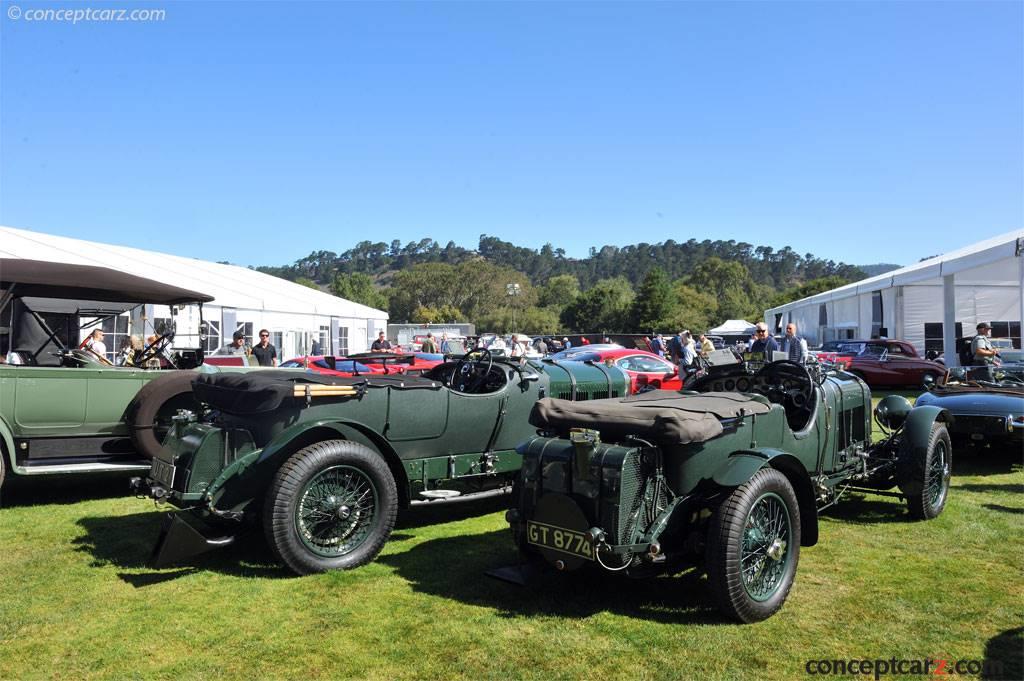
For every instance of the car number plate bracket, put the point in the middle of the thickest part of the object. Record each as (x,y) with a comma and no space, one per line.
(163,473)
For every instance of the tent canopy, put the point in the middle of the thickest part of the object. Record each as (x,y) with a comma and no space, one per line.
(733,327)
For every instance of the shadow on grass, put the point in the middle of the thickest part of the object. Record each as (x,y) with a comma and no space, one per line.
(455,567)
(1004,656)
(984,461)
(1010,488)
(1004,509)
(127,542)
(435,514)
(63,489)
(867,511)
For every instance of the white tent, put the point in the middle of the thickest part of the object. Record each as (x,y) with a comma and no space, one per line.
(928,304)
(733,327)
(243,299)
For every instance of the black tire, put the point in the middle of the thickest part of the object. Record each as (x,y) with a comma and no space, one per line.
(923,474)
(733,534)
(149,415)
(331,506)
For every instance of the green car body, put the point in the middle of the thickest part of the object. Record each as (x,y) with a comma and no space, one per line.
(610,486)
(401,440)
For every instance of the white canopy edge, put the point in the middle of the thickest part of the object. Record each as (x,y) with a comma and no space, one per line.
(230,285)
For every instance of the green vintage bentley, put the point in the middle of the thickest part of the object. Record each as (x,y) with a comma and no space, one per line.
(729,476)
(64,409)
(325,462)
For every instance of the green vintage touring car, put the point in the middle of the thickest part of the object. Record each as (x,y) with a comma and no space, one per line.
(729,475)
(324,462)
(64,409)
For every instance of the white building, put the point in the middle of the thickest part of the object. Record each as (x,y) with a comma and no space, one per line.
(243,299)
(928,304)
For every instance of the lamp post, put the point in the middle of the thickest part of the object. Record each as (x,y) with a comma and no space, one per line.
(513,290)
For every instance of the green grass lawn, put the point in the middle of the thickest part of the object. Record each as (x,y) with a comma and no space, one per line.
(79,602)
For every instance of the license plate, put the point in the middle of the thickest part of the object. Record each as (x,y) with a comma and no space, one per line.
(163,473)
(560,539)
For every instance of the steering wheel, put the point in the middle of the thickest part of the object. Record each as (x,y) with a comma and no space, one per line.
(470,372)
(154,349)
(799,398)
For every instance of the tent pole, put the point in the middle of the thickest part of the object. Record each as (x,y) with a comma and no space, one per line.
(949,321)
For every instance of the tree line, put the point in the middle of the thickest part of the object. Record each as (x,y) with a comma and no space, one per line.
(639,288)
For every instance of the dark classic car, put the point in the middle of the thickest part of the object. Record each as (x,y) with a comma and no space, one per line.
(988,408)
(730,476)
(885,363)
(324,462)
(66,410)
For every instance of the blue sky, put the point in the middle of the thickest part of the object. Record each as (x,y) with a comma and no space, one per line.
(259,132)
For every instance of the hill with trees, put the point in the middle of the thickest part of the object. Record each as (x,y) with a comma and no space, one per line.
(636,288)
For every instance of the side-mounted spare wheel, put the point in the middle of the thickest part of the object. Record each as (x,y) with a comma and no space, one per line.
(754,547)
(923,472)
(331,506)
(149,415)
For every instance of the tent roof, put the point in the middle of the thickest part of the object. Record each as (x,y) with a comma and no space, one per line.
(931,271)
(62,280)
(229,285)
(733,327)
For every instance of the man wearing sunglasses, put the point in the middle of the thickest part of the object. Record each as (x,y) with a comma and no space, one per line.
(264,352)
(763,341)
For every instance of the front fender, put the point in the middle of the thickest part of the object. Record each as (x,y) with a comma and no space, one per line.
(918,427)
(247,478)
(7,440)
(741,466)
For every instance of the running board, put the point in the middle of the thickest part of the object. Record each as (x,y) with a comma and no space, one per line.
(462,498)
(54,469)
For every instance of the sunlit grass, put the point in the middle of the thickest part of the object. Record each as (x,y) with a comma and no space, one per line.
(79,602)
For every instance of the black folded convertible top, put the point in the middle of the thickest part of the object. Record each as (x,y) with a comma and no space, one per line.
(259,391)
(44,279)
(660,415)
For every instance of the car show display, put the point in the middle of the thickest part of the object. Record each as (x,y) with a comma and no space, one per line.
(64,409)
(987,405)
(324,462)
(884,363)
(730,476)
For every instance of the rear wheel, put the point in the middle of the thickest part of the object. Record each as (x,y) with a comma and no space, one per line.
(331,506)
(923,473)
(754,547)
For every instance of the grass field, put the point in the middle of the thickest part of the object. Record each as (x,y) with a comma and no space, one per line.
(78,601)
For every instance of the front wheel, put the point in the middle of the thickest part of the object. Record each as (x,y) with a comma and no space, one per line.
(331,506)
(754,547)
(923,473)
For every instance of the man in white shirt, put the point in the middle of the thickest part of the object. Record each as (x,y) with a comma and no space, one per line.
(95,344)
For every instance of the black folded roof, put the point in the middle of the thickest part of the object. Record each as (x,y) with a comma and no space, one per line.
(87,282)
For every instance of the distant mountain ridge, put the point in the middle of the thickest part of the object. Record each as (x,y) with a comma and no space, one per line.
(780,269)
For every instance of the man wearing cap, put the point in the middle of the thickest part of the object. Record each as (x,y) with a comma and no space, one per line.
(983,351)
(237,345)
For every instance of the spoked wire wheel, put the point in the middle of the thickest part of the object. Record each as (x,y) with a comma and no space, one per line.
(754,547)
(336,511)
(765,547)
(331,506)
(937,477)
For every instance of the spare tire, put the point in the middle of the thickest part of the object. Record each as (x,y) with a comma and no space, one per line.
(149,414)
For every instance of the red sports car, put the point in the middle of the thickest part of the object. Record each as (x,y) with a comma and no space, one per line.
(646,369)
(333,366)
(884,363)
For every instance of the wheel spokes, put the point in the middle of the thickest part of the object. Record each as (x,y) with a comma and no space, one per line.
(336,511)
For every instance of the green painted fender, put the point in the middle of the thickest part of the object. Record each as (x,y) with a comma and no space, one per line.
(741,466)
(247,478)
(918,426)
(7,440)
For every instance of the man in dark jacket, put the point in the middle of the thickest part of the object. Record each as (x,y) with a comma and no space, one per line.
(763,341)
